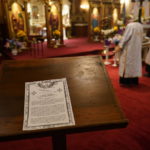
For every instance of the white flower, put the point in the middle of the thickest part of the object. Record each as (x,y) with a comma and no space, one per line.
(107,31)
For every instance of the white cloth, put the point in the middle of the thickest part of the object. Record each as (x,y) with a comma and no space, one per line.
(131,44)
(147,59)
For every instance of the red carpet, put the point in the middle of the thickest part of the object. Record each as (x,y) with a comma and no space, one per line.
(135,102)
(76,46)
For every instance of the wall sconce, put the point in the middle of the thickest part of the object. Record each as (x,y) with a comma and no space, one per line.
(122,1)
(126,2)
(84,5)
(50,2)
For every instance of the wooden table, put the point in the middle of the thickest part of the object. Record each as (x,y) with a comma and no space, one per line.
(92,96)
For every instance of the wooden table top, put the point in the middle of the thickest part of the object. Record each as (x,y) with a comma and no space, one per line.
(94,103)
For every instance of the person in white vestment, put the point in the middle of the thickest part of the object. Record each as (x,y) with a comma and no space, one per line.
(130,47)
(147,61)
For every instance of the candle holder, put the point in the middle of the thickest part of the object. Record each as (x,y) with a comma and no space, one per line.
(115,61)
(106,52)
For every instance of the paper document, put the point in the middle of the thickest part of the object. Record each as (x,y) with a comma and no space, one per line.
(47,105)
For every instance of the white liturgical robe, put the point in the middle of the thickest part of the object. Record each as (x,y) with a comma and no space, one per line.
(130,58)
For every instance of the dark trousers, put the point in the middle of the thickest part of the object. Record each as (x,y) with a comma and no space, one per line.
(147,68)
(129,81)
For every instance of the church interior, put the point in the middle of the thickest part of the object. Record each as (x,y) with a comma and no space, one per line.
(42,30)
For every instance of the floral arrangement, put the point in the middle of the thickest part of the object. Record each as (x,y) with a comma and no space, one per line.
(12,44)
(108,41)
(21,35)
(56,34)
(108,32)
(115,28)
(96,30)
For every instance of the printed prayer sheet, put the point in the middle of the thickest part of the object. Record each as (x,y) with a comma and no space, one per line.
(47,105)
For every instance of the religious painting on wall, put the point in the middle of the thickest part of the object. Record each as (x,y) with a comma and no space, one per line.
(135,7)
(35,12)
(17,18)
(108,16)
(95,24)
(115,16)
(54,21)
(54,18)
(37,21)
(66,15)
(66,19)
(95,18)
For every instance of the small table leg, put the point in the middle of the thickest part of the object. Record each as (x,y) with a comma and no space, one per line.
(59,141)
